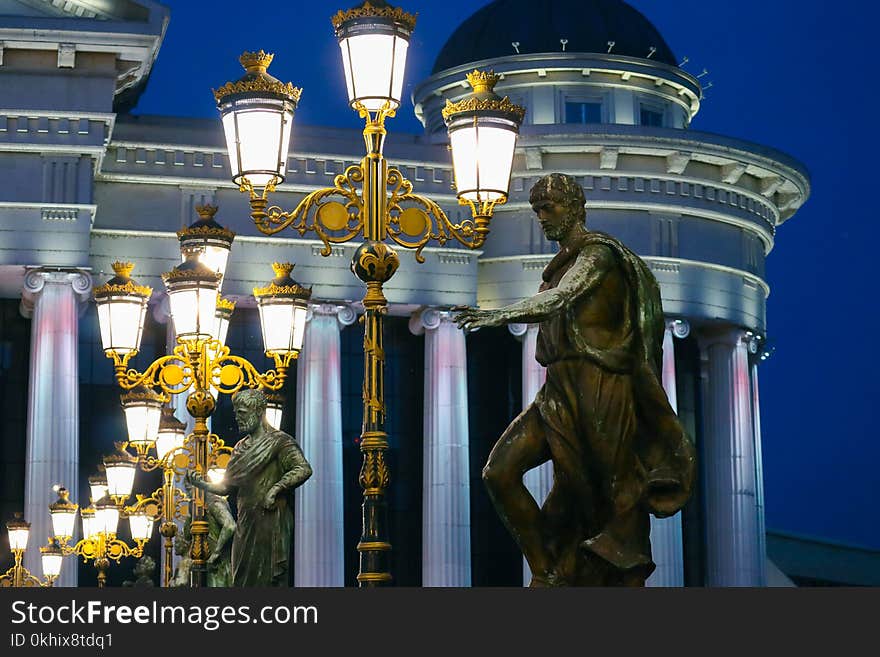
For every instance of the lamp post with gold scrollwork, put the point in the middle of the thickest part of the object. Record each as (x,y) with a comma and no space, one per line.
(200,365)
(18,576)
(257,113)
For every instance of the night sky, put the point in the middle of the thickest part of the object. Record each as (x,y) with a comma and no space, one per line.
(790,74)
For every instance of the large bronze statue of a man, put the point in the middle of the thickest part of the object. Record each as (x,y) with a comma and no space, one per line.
(266,465)
(618,449)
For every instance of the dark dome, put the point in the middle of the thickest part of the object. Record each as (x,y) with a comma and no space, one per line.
(538,26)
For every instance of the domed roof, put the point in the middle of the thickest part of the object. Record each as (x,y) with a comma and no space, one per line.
(538,26)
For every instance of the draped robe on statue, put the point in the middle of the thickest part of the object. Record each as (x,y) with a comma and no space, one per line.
(618,448)
(261,544)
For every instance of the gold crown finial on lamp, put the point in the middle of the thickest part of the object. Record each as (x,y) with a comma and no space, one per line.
(483,81)
(123,269)
(282,269)
(256,62)
(206,211)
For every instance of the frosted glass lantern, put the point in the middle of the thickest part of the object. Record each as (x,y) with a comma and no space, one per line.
(373,40)
(63,514)
(121,468)
(143,409)
(106,516)
(172,434)
(122,307)
(51,557)
(283,306)
(141,525)
(19,531)
(483,128)
(257,113)
(193,290)
(210,241)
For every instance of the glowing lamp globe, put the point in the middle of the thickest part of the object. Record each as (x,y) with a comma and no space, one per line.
(90,527)
(483,128)
(143,409)
(257,113)
(283,306)
(122,307)
(193,290)
(121,468)
(19,531)
(51,557)
(274,410)
(225,308)
(141,525)
(98,485)
(210,241)
(172,434)
(106,516)
(63,514)
(374,39)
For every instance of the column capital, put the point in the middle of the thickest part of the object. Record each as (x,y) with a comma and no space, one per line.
(36,278)
(428,319)
(345,314)
(731,336)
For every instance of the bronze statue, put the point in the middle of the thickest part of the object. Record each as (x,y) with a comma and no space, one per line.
(221,528)
(266,465)
(618,450)
(144,569)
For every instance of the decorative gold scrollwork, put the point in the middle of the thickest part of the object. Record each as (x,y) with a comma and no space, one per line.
(333,221)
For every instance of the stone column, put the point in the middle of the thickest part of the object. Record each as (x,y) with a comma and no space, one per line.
(539,480)
(666,538)
(319,542)
(52,298)
(446,540)
(759,469)
(733,544)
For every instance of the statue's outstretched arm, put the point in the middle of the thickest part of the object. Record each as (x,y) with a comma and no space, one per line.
(296,469)
(195,479)
(590,267)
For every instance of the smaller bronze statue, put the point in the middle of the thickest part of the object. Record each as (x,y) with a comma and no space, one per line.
(221,529)
(143,571)
(265,467)
(602,417)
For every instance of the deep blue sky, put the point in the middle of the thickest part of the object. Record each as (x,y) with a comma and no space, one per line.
(791,74)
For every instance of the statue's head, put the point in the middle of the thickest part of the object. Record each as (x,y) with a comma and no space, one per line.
(250,407)
(559,202)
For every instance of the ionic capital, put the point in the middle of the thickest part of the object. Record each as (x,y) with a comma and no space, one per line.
(36,279)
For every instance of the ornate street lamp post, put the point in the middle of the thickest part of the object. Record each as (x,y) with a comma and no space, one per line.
(100,522)
(201,365)
(257,112)
(18,576)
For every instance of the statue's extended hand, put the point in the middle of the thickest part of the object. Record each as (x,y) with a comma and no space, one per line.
(193,478)
(474,318)
(269,502)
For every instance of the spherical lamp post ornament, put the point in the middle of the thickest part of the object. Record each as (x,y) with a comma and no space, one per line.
(483,128)
(210,241)
(257,113)
(283,307)
(122,307)
(193,290)
(374,39)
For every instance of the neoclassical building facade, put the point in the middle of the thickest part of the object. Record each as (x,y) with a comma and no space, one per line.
(88,182)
